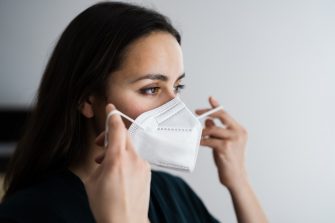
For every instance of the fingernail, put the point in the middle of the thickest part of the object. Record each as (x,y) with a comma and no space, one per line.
(214,100)
(110,107)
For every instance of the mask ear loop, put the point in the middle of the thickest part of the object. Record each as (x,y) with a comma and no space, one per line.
(116,112)
(210,112)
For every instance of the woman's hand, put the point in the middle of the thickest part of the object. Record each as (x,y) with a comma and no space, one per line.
(119,189)
(228,143)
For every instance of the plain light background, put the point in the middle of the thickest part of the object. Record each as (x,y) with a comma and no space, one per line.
(271,64)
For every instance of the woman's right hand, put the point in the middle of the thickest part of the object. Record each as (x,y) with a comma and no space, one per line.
(119,189)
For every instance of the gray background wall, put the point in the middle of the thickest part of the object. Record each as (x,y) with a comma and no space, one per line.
(270,63)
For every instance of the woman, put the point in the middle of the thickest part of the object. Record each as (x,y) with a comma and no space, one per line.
(125,57)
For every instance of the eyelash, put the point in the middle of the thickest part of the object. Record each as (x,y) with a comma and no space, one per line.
(144,91)
(180,87)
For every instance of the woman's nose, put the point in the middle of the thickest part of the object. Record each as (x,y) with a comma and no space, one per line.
(170,94)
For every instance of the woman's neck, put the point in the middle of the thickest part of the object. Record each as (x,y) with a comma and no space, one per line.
(86,165)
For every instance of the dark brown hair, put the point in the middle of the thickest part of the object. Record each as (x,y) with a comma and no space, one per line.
(90,49)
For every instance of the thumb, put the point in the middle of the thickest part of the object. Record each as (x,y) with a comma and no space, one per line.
(115,132)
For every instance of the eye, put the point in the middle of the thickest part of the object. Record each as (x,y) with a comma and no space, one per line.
(150,90)
(179,88)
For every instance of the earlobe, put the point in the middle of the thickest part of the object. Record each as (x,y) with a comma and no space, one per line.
(86,108)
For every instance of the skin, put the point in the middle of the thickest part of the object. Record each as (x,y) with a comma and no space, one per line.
(150,75)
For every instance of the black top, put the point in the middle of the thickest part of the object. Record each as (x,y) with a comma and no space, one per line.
(62,198)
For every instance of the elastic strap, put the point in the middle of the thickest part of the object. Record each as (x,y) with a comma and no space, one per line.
(110,114)
(210,112)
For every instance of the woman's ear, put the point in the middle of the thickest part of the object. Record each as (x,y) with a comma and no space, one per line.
(86,107)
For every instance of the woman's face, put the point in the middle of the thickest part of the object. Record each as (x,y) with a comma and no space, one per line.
(150,75)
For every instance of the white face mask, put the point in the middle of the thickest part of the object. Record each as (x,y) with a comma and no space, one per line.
(167,136)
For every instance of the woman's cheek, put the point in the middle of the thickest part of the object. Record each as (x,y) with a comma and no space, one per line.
(132,110)
(132,105)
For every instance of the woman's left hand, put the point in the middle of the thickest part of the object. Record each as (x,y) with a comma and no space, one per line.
(228,143)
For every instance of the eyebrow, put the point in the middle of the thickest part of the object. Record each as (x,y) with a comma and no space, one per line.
(156,77)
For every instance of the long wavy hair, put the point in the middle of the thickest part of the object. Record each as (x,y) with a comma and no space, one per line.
(90,48)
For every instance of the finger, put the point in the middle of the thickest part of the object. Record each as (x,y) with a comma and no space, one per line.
(130,146)
(222,115)
(116,133)
(200,111)
(210,142)
(218,132)
(209,123)
(213,102)
(99,140)
(100,158)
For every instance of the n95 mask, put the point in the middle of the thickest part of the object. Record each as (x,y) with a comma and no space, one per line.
(167,136)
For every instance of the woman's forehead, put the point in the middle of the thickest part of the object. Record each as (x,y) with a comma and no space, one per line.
(157,53)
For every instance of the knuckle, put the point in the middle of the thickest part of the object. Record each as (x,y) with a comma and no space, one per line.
(227,143)
(114,165)
(235,137)
(116,157)
(241,137)
(137,162)
(244,132)
(115,147)
(140,167)
(207,131)
(145,167)
(214,144)
(223,112)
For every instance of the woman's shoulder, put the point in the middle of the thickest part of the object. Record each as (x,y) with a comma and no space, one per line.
(58,196)
(28,204)
(51,187)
